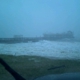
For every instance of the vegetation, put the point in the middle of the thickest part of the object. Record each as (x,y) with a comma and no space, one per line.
(31,67)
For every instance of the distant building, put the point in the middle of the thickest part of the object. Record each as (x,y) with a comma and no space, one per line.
(57,36)
(18,36)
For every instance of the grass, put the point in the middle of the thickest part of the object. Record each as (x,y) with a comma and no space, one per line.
(31,67)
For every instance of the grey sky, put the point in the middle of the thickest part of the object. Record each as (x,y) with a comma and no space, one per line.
(35,17)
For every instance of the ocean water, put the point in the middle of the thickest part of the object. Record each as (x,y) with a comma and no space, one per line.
(50,49)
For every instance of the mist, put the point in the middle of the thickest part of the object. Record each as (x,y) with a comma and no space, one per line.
(36,17)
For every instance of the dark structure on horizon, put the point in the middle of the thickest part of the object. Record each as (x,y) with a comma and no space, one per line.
(51,36)
(59,36)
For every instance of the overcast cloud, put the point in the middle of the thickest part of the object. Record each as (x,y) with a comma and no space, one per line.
(35,17)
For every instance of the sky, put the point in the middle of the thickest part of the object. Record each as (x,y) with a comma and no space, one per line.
(33,18)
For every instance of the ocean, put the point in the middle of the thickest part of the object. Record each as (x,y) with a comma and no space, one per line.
(44,48)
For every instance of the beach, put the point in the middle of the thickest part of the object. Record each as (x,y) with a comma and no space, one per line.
(34,60)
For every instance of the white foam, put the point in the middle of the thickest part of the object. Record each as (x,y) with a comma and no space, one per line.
(69,50)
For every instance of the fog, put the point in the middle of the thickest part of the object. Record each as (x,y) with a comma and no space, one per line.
(33,18)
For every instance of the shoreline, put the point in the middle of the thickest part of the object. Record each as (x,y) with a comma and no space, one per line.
(35,66)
